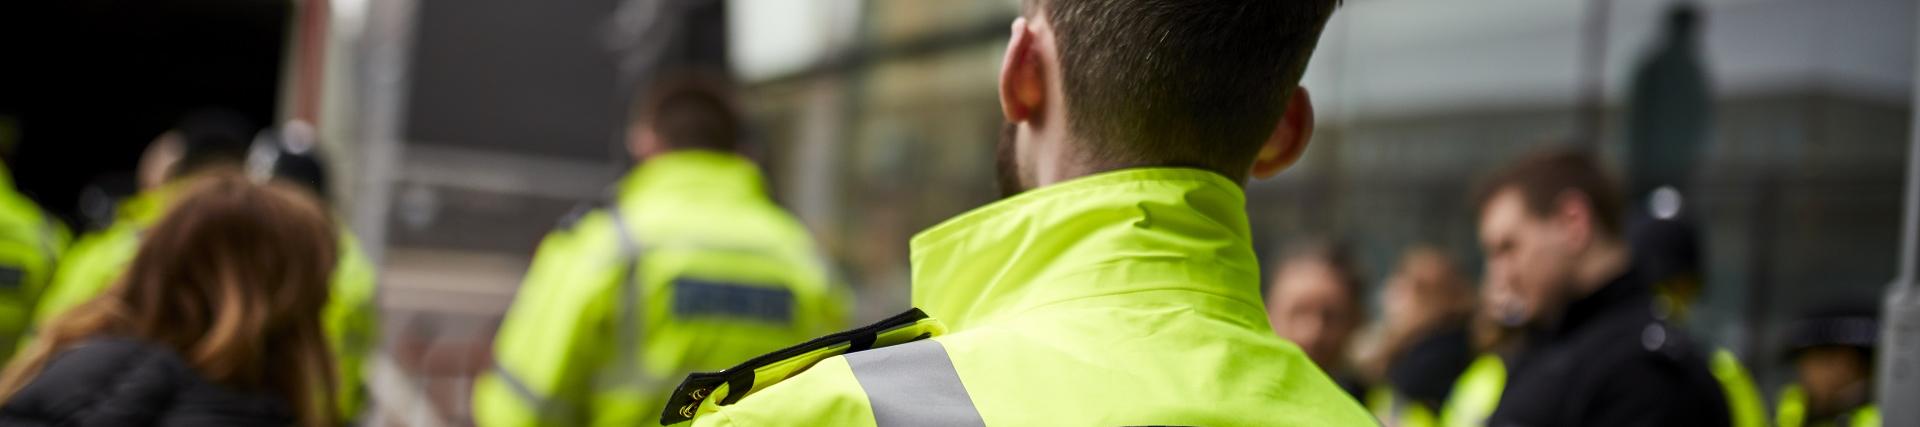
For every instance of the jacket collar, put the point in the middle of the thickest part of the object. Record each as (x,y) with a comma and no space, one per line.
(1627,292)
(694,172)
(1129,232)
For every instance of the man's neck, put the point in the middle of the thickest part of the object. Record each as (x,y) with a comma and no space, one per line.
(1601,264)
(1606,261)
(1064,167)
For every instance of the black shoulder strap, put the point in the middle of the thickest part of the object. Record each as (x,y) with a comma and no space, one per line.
(758,373)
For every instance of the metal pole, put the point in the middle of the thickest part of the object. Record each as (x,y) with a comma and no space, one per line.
(1593,58)
(1899,368)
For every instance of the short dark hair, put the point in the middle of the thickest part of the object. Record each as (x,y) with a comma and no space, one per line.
(1198,83)
(688,111)
(1541,176)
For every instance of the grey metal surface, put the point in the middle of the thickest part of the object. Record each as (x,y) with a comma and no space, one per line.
(1899,370)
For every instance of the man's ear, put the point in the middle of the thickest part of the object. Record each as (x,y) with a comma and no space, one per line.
(642,142)
(1574,214)
(1289,139)
(1023,87)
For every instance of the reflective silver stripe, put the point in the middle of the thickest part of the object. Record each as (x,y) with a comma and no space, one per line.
(913,384)
(627,371)
(545,408)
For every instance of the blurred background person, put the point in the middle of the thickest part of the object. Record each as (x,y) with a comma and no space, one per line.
(1317,301)
(1597,355)
(204,140)
(217,322)
(689,267)
(290,154)
(1832,355)
(31,241)
(1667,254)
(1425,342)
(211,140)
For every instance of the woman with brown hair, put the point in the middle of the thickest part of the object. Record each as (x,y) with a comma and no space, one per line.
(216,322)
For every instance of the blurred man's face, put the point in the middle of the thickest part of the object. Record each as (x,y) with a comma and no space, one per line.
(1424,292)
(1530,260)
(1830,375)
(1310,307)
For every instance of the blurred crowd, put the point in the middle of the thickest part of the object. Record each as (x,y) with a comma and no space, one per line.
(1114,282)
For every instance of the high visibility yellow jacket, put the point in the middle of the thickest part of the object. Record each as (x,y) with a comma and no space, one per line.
(691,268)
(1743,398)
(97,260)
(1125,298)
(30,245)
(1477,392)
(1792,412)
(1395,410)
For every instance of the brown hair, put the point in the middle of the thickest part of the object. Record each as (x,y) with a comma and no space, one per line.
(1198,83)
(690,109)
(1542,176)
(233,278)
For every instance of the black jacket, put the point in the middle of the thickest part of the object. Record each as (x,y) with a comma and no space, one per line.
(1426,372)
(122,382)
(1609,362)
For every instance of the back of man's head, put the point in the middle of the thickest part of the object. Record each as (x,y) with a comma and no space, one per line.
(1542,177)
(684,112)
(1198,83)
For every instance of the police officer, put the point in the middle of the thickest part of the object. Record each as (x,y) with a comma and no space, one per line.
(1832,354)
(1597,355)
(1117,284)
(291,153)
(691,267)
(31,242)
(1667,250)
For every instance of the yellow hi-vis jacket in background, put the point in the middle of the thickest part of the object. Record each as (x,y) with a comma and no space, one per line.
(691,268)
(350,318)
(30,244)
(1792,412)
(1124,298)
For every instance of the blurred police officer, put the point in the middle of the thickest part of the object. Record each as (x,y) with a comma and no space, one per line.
(31,242)
(1119,285)
(1667,251)
(691,267)
(1597,355)
(291,153)
(1832,356)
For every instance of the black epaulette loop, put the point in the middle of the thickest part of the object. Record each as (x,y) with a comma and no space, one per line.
(760,372)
